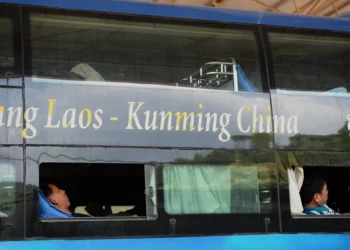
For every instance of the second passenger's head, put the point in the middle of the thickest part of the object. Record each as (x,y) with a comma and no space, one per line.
(314,192)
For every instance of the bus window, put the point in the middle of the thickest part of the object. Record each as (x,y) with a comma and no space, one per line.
(320,187)
(217,189)
(96,190)
(95,49)
(312,79)
(310,63)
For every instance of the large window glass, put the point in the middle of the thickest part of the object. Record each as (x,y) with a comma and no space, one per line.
(217,189)
(96,49)
(10,46)
(312,81)
(309,62)
(6,46)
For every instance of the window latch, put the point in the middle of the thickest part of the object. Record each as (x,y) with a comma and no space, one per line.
(267,224)
(149,191)
(8,76)
(172,224)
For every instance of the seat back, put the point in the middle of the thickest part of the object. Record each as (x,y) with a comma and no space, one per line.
(338,90)
(243,82)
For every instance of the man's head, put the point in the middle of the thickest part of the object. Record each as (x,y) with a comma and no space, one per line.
(314,192)
(56,196)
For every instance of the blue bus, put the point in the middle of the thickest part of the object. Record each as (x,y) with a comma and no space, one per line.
(170,127)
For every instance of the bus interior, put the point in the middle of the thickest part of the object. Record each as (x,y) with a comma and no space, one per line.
(89,187)
(337,179)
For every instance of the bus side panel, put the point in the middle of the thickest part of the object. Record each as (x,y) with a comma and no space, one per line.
(251,242)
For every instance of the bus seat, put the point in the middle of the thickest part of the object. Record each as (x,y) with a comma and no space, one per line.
(47,210)
(243,82)
(338,90)
(295,180)
(88,72)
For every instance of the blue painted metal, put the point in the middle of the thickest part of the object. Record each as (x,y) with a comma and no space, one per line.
(347,15)
(196,13)
(249,242)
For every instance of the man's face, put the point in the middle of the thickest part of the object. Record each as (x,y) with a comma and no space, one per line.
(321,199)
(59,197)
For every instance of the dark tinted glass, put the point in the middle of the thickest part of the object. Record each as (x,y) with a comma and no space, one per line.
(96,49)
(309,62)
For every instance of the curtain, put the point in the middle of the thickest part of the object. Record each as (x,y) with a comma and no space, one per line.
(206,189)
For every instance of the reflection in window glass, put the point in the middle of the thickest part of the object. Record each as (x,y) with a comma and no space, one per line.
(315,63)
(6,46)
(7,189)
(221,189)
(96,49)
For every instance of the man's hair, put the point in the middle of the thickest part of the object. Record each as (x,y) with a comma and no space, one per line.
(311,186)
(46,190)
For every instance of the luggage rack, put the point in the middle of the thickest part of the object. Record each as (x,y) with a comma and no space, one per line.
(212,75)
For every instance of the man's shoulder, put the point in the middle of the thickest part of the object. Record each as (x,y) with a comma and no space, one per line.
(311,210)
(321,210)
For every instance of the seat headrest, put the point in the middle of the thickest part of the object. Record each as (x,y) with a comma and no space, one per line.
(47,210)
(243,82)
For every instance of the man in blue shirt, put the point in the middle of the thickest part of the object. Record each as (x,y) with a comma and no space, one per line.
(314,195)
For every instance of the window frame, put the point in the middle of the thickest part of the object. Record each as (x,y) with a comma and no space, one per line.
(43,227)
(246,223)
(164,225)
(310,223)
